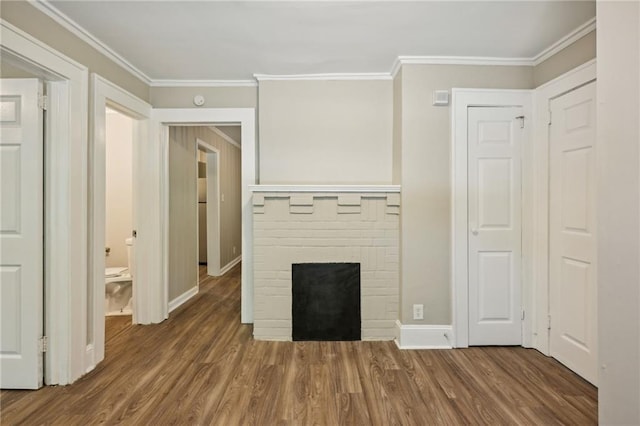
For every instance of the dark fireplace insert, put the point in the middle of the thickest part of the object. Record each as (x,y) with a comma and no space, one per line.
(326,301)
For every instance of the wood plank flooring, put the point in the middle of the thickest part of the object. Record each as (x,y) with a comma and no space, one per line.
(203,367)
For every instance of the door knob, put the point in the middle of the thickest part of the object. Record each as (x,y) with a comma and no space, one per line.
(474,231)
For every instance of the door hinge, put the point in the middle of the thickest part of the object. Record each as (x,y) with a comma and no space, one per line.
(523,315)
(550,115)
(521,118)
(43,102)
(44,343)
(548,322)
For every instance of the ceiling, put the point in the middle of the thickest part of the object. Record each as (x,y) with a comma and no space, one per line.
(233,40)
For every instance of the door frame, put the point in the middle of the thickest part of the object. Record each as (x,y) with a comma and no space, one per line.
(543,95)
(106,93)
(462,99)
(65,203)
(213,215)
(246,117)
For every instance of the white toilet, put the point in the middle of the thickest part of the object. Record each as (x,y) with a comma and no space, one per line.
(118,285)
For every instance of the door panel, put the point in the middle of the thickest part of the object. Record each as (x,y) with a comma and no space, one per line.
(494,146)
(494,282)
(21,234)
(572,245)
(494,193)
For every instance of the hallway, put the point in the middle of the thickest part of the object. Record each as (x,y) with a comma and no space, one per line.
(202,367)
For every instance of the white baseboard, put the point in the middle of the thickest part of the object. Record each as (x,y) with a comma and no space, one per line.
(178,301)
(230,265)
(424,336)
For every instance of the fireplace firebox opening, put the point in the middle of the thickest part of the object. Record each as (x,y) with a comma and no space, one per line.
(326,301)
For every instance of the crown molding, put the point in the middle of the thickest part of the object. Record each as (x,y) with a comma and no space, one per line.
(556,47)
(459,60)
(203,83)
(48,9)
(225,136)
(565,41)
(397,65)
(329,76)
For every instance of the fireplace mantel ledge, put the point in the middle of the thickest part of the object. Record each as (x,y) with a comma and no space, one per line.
(326,188)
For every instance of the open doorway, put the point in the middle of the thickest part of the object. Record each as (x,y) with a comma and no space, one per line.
(119,276)
(246,118)
(205,210)
(119,153)
(208,208)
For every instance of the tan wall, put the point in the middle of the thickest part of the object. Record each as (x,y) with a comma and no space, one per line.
(578,53)
(31,20)
(182,176)
(9,71)
(426,185)
(118,187)
(215,97)
(397,129)
(328,132)
(618,163)
(183,258)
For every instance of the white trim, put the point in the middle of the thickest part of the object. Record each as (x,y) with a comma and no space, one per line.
(224,136)
(51,11)
(230,265)
(543,95)
(565,41)
(326,188)
(183,298)
(203,83)
(36,45)
(545,54)
(395,68)
(107,94)
(163,117)
(325,77)
(461,100)
(65,200)
(206,147)
(424,336)
(48,9)
(462,60)
(574,76)
(213,215)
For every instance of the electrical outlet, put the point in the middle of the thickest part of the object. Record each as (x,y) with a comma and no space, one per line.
(418,312)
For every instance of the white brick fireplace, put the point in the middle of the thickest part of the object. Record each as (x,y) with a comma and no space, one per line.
(325,224)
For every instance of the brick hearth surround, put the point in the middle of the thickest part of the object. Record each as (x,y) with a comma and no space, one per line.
(337,224)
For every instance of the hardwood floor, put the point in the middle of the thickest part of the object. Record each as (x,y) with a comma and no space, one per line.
(202,367)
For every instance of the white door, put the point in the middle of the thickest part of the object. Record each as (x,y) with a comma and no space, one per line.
(494,191)
(21,234)
(572,239)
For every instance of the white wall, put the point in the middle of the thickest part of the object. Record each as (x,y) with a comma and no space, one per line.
(618,113)
(325,132)
(119,214)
